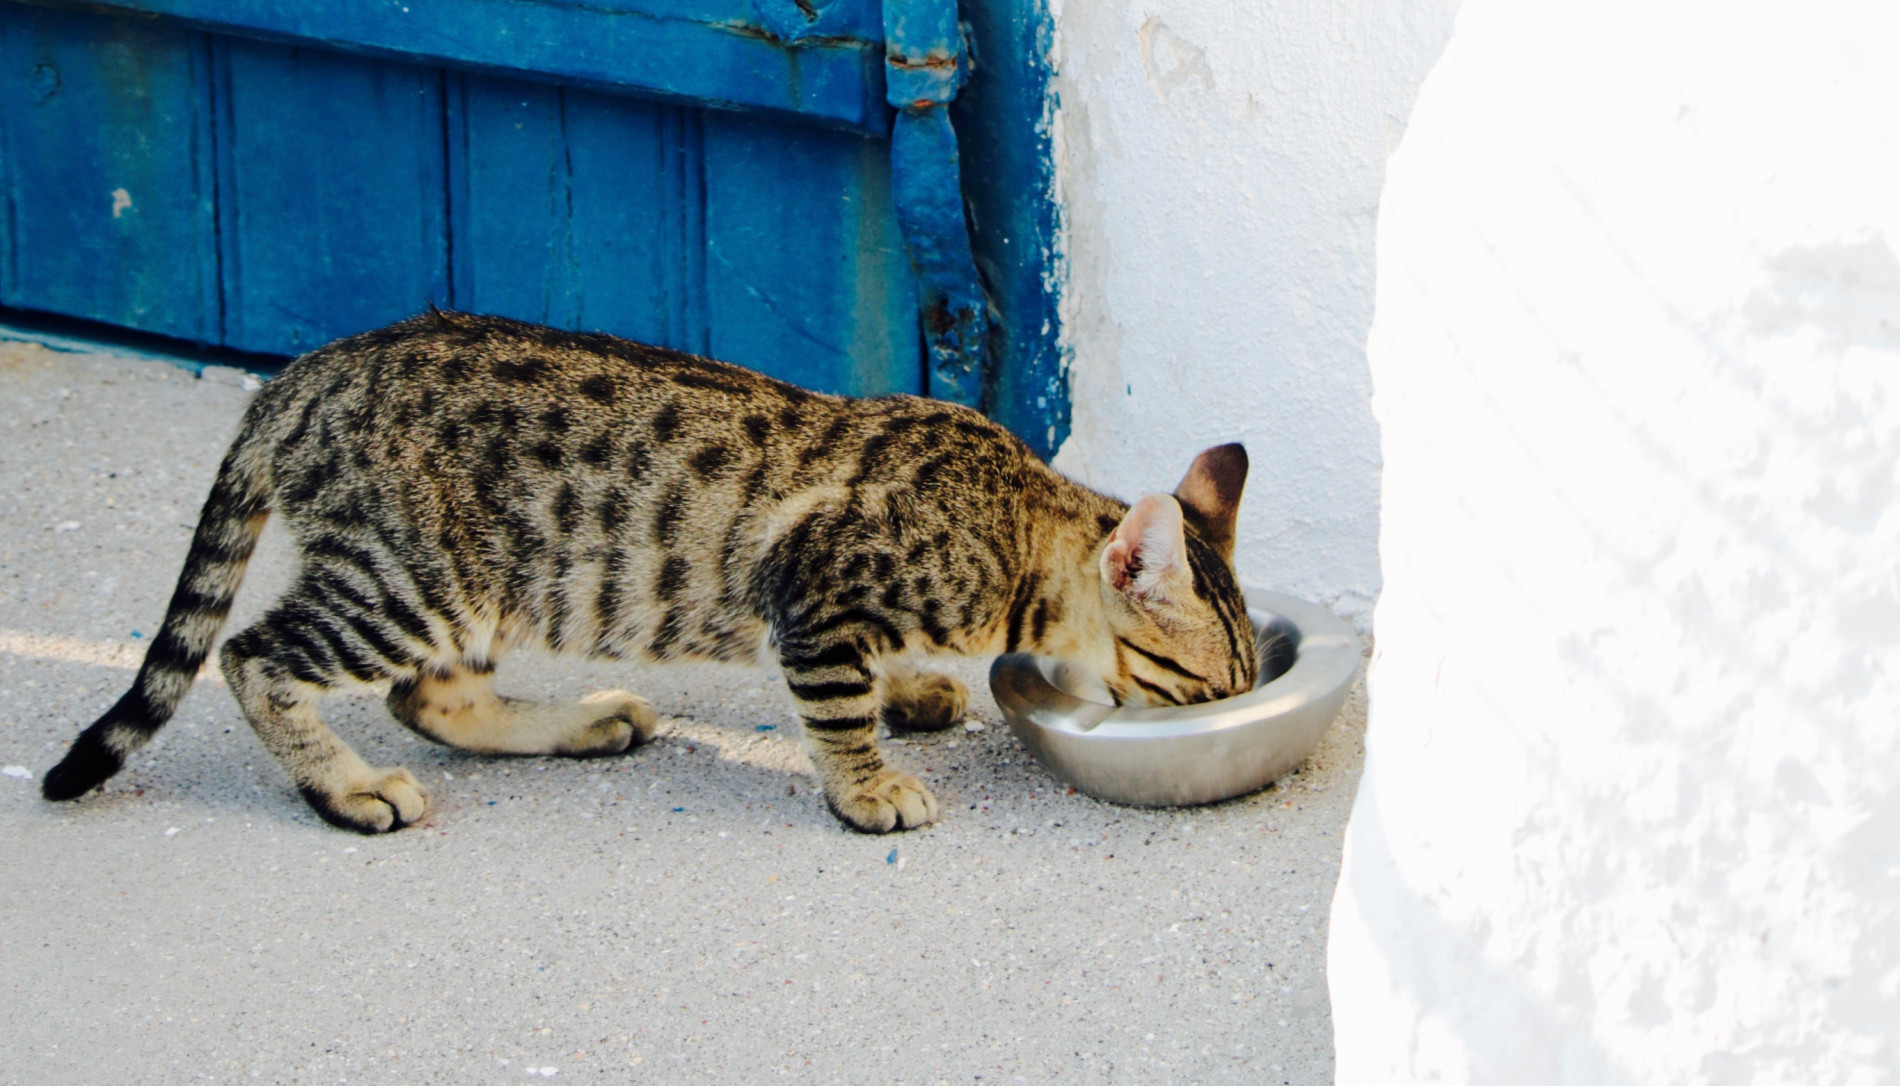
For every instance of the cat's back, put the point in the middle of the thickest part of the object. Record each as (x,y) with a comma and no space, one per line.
(473,394)
(439,362)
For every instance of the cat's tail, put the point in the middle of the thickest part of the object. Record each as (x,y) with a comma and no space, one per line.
(227,533)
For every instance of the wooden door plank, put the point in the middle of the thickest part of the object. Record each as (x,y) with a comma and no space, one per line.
(332,195)
(701,52)
(508,201)
(637,199)
(105,147)
(807,277)
(577,209)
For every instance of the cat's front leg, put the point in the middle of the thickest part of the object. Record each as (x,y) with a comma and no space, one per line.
(836,699)
(919,701)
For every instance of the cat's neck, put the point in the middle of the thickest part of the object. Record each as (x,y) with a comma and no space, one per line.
(1058,607)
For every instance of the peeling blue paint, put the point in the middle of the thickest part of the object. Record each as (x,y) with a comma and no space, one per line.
(989,309)
(1002,117)
(950,299)
(923,60)
(797,21)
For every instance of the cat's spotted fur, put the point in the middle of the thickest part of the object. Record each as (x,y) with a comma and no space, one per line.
(457,485)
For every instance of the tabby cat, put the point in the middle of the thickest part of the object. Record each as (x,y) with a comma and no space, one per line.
(457,485)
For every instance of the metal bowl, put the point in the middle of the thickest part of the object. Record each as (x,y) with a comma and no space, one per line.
(1182,755)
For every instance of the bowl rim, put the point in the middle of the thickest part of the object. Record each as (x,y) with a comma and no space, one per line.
(1328,657)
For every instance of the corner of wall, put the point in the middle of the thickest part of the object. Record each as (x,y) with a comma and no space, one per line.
(1218,168)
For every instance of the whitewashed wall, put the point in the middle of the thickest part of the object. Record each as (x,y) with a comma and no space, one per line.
(1219,165)
(1631,810)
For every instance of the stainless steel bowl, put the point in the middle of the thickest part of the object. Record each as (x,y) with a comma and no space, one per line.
(1188,754)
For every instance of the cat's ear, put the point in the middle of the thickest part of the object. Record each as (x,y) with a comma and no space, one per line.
(1145,558)
(1211,494)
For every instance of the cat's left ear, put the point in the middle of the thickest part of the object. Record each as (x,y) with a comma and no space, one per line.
(1145,559)
(1210,494)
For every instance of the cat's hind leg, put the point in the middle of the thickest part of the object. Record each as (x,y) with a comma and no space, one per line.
(457,706)
(910,700)
(279,669)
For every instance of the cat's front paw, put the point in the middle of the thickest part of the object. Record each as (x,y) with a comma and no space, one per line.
(891,801)
(377,802)
(923,702)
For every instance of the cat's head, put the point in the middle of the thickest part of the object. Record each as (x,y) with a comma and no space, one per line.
(1174,606)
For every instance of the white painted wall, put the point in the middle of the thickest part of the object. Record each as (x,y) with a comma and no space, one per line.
(1631,809)
(1219,165)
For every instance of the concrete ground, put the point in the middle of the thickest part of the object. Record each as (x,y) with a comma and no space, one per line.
(690,913)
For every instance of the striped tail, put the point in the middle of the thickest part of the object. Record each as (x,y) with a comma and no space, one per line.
(227,533)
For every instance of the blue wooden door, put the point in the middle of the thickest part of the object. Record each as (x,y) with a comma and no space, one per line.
(268,177)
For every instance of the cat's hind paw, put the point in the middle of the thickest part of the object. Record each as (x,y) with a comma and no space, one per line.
(891,801)
(381,801)
(626,721)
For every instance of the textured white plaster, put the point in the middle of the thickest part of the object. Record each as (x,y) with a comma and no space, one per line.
(1219,164)
(1631,808)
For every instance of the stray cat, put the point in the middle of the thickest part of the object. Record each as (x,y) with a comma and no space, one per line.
(457,485)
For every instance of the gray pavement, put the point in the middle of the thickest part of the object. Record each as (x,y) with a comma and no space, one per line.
(687,914)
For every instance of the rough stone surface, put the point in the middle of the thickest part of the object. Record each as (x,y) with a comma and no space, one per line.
(1219,164)
(1631,811)
(676,916)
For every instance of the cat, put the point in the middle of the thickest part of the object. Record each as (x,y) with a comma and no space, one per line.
(457,485)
